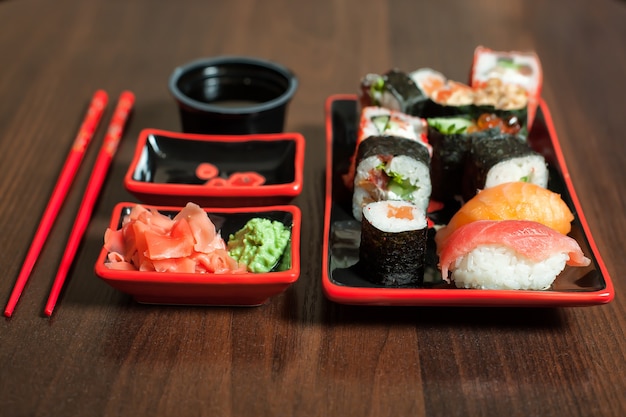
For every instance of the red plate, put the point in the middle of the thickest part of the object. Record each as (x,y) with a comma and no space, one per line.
(343,282)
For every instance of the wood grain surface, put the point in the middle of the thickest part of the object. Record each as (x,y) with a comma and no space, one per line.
(102,354)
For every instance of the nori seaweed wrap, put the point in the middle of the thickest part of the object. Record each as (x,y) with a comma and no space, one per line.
(379,121)
(391,168)
(493,160)
(392,146)
(393,244)
(450,141)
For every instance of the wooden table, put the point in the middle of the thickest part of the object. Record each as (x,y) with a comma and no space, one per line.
(102,354)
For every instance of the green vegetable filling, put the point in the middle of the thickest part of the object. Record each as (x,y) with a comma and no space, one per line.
(382,123)
(377,87)
(260,244)
(507,63)
(450,125)
(398,184)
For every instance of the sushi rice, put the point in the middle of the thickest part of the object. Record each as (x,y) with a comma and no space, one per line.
(501,268)
(531,169)
(378,214)
(412,172)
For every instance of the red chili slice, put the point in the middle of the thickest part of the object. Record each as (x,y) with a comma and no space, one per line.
(250,179)
(217,182)
(206,171)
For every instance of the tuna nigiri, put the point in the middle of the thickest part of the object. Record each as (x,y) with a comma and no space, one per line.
(511,201)
(508,254)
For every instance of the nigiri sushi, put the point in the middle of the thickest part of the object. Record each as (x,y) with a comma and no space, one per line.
(511,201)
(508,254)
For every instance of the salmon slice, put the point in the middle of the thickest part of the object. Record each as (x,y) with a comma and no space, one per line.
(511,201)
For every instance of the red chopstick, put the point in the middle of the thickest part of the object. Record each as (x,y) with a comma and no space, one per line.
(68,173)
(98,175)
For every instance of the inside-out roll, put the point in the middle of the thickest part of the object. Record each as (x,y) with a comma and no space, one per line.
(381,121)
(511,68)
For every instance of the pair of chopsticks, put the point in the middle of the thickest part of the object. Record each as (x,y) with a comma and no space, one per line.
(68,173)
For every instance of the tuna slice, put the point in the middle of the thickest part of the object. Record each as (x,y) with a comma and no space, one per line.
(530,239)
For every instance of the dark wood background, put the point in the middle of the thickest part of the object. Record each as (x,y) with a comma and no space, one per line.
(102,354)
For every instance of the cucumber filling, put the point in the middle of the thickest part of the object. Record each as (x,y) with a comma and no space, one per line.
(398,184)
(450,125)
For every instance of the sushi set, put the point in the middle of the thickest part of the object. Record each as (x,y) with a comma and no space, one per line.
(440,193)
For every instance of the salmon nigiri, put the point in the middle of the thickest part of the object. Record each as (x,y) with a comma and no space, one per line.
(508,254)
(511,201)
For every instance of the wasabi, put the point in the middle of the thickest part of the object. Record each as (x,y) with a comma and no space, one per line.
(260,244)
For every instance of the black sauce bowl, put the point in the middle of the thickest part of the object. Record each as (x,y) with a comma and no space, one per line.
(232,95)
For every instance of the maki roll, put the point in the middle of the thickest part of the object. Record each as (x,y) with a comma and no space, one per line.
(380,121)
(393,242)
(522,69)
(450,138)
(508,255)
(391,168)
(443,97)
(493,160)
(394,90)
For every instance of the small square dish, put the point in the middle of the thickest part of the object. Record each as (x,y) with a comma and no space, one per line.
(209,289)
(171,168)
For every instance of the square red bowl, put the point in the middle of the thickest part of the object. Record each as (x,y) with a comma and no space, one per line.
(249,289)
(171,168)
